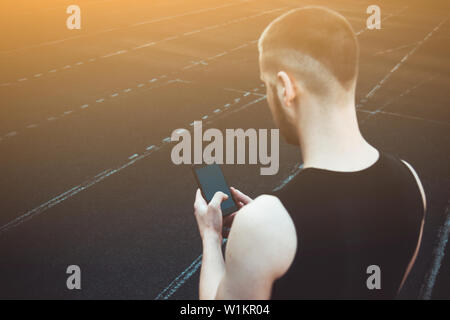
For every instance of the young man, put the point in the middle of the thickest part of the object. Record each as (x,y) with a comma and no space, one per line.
(350,224)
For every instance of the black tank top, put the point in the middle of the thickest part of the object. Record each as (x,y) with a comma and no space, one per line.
(346,222)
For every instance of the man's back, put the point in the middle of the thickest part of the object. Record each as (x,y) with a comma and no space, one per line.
(346,222)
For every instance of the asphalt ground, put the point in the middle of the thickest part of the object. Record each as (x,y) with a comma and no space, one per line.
(86,174)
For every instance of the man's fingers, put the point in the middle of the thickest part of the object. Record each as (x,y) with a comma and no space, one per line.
(219,196)
(240,197)
(199,201)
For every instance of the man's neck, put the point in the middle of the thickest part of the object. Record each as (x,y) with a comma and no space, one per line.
(330,139)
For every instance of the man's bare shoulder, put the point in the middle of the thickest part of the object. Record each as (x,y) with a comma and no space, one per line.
(265,208)
(264,231)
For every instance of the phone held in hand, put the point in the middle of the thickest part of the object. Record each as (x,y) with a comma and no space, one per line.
(210,179)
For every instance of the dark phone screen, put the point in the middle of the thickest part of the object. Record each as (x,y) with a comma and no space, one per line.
(211,180)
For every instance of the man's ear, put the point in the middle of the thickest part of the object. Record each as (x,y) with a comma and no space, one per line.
(288,89)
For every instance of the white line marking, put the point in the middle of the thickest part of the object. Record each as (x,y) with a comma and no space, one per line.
(395,49)
(114,53)
(72,192)
(170,38)
(191,32)
(403,60)
(176,283)
(240,47)
(438,256)
(11,134)
(133,156)
(85,185)
(404,116)
(100,100)
(144,45)
(173,37)
(182,15)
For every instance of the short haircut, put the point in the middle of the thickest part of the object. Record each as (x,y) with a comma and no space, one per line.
(314,43)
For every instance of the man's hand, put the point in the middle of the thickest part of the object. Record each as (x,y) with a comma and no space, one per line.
(240,198)
(209,215)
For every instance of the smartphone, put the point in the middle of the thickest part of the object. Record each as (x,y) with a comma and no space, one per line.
(210,179)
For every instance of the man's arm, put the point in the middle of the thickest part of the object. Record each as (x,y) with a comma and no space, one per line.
(213,266)
(260,249)
(209,220)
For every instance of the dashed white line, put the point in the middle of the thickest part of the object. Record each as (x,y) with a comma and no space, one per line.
(403,60)
(169,38)
(146,45)
(11,134)
(191,32)
(114,53)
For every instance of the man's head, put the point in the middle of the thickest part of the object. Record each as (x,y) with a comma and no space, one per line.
(307,54)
